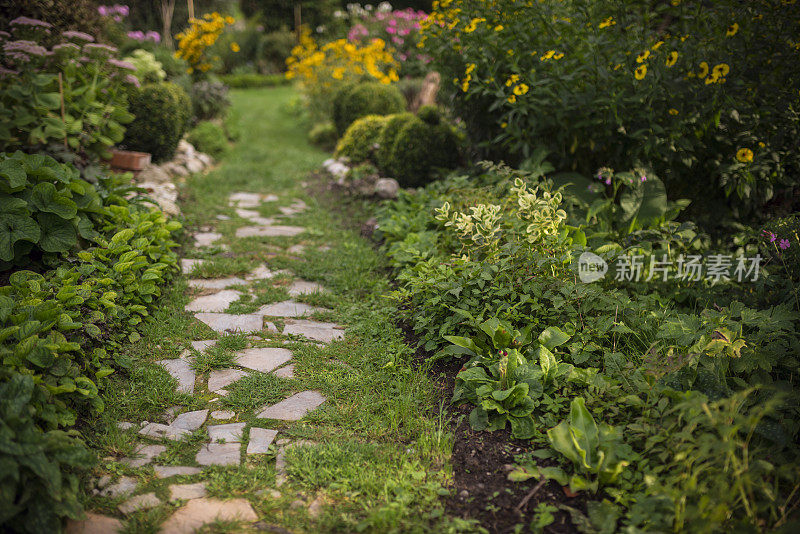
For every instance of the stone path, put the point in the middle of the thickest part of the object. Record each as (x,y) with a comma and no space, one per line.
(229,440)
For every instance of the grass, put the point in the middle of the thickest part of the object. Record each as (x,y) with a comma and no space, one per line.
(384,444)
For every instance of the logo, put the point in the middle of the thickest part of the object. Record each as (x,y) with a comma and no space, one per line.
(591,267)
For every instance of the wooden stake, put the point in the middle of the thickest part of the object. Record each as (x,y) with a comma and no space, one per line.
(298,20)
(63,114)
(191,8)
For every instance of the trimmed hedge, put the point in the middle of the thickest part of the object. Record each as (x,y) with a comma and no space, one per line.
(388,136)
(354,101)
(162,112)
(361,138)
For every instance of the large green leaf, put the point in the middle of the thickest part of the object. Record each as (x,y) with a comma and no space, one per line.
(14,228)
(644,204)
(583,429)
(13,174)
(46,198)
(552,337)
(58,235)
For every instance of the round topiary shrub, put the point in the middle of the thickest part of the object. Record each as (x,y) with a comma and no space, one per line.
(359,141)
(419,148)
(208,137)
(394,123)
(369,98)
(323,135)
(162,112)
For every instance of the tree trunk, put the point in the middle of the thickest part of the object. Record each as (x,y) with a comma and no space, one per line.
(167,9)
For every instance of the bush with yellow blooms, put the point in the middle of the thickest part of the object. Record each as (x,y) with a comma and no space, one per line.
(707,94)
(195,42)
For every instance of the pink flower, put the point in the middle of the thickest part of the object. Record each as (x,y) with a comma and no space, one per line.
(644,178)
(398,40)
(103,10)
(784,244)
(770,235)
(78,36)
(27,21)
(121,64)
(391,30)
(133,80)
(154,36)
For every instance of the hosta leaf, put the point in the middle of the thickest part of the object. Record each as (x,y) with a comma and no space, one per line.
(58,235)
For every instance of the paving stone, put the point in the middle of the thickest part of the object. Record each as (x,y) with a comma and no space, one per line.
(166,471)
(262,272)
(217,380)
(205,239)
(199,512)
(223,414)
(187,491)
(94,524)
(244,200)
(170,413)
(262,359)
(223,218)
(216,283)
(124,486)
(269,231)
(143,455)
(187,264)
(315,508)
(140,502)
(302,287)
(229,432)
(323,248)
(219,454)
(260,440)
(218,302)
(270,327)
(324,332)
(124,425)
(202,345)
(288,308)
(103,481)
(223,322)
(181,370)
(190,420)
(254,217)
(296,249)
(293,408)
(158,431)
(285,372)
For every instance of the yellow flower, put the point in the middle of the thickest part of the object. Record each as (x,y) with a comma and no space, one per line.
(559,55)
(504,125)
(520,89)
(641,58)
(235,47)
(703,70)
(744,155)
(499,28)
(712,79)
(230,20)
(617,66)
(672,58)
(676,3)
(465,86)
(471,67)
(512,80)
(657,45)
(640,72)
(761,144)
(512,99)
(721,70)
(548,55)
(733,29)
(673,111)
(608,22)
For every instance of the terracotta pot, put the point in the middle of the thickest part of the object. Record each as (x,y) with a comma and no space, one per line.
(129,161)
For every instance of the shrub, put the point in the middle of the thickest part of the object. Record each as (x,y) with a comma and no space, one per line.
(195,42)
(209,100)
(420,147)
(162,112)
(388,136)
(208,137)
(64,15)
(148,68)
(355,101)
(323,135)
(359,141)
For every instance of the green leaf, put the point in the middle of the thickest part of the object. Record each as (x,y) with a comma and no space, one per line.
(14,173)
(15,228)
(552,337)
(522,427)
(58,235)
(478,418)
(583,430)
(464,342)
(46,198)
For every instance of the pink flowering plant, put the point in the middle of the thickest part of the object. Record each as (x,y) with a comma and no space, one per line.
(398,27)
(72,95)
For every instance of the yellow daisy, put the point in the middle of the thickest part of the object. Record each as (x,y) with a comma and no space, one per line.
(640,72)
(744,155)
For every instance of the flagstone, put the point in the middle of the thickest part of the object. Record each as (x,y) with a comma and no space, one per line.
(217,380)
(223,414)
(223,322)
(166,471)
(139,502)
(202,345)
(262,272)
(94,524)
(263,359)
(316,331)
(229,432)
(143,455)
(219,454)
(302,287)
(288,308)
(205,239)
(199,512)
(260,440)
(296,249)
(158,431)
(216,283)
(187,264)
(181,370)
(285,372)
(295,407)
(269,231)
(187,491)
(244,200)
(124,486)
(218,302)
(190,420)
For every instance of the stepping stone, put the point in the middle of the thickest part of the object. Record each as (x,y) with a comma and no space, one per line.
(296,249)
(200,346)
(205,239)
(229,433)
(285,372)
(187,491)
(263,359)
(187,264)
(269,231)
(223,218)
(324,332)
(94,524)
(223,414)
(254,217)
(261,272)
(190,420)
(140,502)
(288,308)
(199,512)
(315,508)
(181,370)
(219,454)
(260,440)
(223,322)
(244,200)
(166,471)
(124,486)
(302,287)
(323,248)
(124,425)
(280,459)
(218,380)
(146,453)
(158,431)
(218,283)
(218,302)
(295,407)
